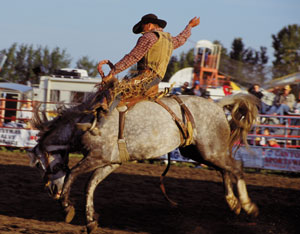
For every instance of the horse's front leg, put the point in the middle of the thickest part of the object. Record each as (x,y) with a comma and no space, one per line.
(98,175)
(85,165)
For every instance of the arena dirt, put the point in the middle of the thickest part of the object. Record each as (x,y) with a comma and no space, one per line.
(130,201)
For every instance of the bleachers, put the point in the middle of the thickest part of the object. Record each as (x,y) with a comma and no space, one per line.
(287,135)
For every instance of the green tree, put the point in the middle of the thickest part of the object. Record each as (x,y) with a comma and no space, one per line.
(172,68)
(8,69)
(175,64)
(237,49)
(23,60)
(286,44)
(58,59)
(88,65)
(245,65)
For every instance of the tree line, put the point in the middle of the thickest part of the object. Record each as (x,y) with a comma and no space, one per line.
(26,63)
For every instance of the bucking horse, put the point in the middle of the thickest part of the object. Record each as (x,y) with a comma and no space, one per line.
(149,131)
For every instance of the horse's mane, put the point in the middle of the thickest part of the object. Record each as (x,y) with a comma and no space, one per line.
(65,114)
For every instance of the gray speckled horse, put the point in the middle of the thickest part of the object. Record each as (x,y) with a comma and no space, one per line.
(149,132)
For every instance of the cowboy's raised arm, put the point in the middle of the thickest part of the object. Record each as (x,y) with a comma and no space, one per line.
(180,39)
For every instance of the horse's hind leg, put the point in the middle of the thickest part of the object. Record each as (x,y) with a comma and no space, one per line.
(226,164)
(231,199)
(98,175)
(247,204)
(216,160)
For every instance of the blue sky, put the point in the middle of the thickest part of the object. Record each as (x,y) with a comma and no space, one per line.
(102,29)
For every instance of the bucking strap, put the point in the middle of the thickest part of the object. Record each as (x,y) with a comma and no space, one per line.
(190,124)
(186,131)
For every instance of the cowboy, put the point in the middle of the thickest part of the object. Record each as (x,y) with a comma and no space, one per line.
(151,53)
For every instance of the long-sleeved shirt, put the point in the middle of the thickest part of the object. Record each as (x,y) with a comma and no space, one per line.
(144,43)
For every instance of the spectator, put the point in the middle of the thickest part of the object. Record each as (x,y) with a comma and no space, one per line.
(205,93)
(273,143)
(182,90)
(13,123)
(296,111)
(255,90)
(257,139)
(196,89)
(283,104)
(263,141)
(26,113)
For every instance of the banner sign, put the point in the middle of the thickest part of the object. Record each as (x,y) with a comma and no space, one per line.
(258,157)
(16,137)
(282,159)
(270,158)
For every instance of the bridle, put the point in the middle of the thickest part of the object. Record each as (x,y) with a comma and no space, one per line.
(56,168)
(60,166)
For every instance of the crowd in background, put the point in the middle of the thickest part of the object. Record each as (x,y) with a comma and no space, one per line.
(195,90)
(284,103)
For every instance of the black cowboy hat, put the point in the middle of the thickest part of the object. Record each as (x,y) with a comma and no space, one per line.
(149,18)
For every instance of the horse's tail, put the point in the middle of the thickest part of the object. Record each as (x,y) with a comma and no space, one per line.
(243,110)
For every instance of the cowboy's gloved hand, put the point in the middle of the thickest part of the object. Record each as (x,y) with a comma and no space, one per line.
(101,63)
(99,67)
(109,80)
(194,22)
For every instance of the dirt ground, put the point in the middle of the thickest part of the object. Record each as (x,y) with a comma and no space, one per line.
(130,201)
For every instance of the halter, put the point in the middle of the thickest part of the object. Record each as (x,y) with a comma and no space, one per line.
(56,168)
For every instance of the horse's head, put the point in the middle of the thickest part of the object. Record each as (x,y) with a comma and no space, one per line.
(53,166)
(57,138)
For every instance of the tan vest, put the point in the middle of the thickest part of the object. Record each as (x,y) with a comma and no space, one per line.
(157,58)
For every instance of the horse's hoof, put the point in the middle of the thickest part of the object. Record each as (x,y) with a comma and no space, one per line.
(237,208)
(91,226)
(70,213)
(251,209)
(234,204)
(254,211)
